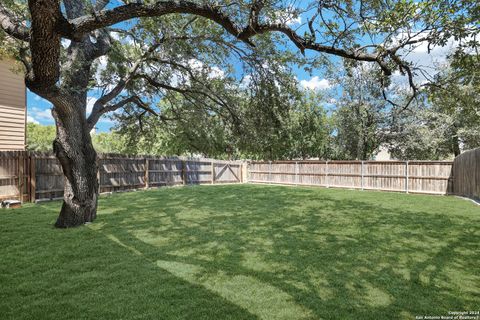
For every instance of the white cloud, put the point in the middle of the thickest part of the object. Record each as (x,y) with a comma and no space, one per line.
(247,79)
(315,83)
(293,20)
(288,16)
(66,43)
(31,119)
(122,37)
(429,61)
(90,102)
(102,65)
(179,78)
(216,72)
(433,59)
(199,66)
(41,114)
(106,120)
(115,35)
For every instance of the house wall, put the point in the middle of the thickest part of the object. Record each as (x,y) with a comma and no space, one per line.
(383,154)
(12,108)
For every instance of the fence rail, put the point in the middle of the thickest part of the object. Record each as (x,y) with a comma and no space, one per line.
(433,177)
(32,176)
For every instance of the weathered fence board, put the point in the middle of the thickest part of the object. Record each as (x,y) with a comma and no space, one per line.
(48,176)
(466,169)
(163,171)
(41,175)
(405,176)
(14,175)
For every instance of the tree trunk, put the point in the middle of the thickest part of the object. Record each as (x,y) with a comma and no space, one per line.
(65,84)
(73,148)
(455,145)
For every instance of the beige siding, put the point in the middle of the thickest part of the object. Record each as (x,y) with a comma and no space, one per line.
(12,108)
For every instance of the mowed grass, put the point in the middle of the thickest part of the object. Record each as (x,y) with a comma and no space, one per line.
(244,252)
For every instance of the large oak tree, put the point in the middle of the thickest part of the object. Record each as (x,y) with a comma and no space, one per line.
(61,72)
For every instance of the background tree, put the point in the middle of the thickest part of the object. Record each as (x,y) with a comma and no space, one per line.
(110,142)
(39,137)
(455,98)
(309,128)
(360,119)
(289,126)
(420,133)
(446,120)
(196,132)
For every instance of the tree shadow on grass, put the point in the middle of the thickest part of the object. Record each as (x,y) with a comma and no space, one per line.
(46,273)
(326,254)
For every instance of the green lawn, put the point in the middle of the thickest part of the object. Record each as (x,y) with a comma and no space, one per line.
(244,252)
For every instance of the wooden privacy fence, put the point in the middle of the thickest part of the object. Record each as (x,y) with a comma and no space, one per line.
(31,176)
(434,177)
(466,169)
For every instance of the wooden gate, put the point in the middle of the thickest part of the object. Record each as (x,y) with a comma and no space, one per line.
(226,172)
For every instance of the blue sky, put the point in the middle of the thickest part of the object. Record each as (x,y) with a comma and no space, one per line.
(39,109)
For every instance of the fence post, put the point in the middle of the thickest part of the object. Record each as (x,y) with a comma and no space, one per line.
(296,173)
(240,172)
(406,176)
(21,179)
(326,174)
(184,173)
(213,172)
(98,175)
(362,175)
(147,174)
(33,180)
(270,172)
(246,167)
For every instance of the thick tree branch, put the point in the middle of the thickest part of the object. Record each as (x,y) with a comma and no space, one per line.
(136,100)
(46,23)
(112,94)
(154,83)
(94,117)
(104,18)
(302,44)
(99,108)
